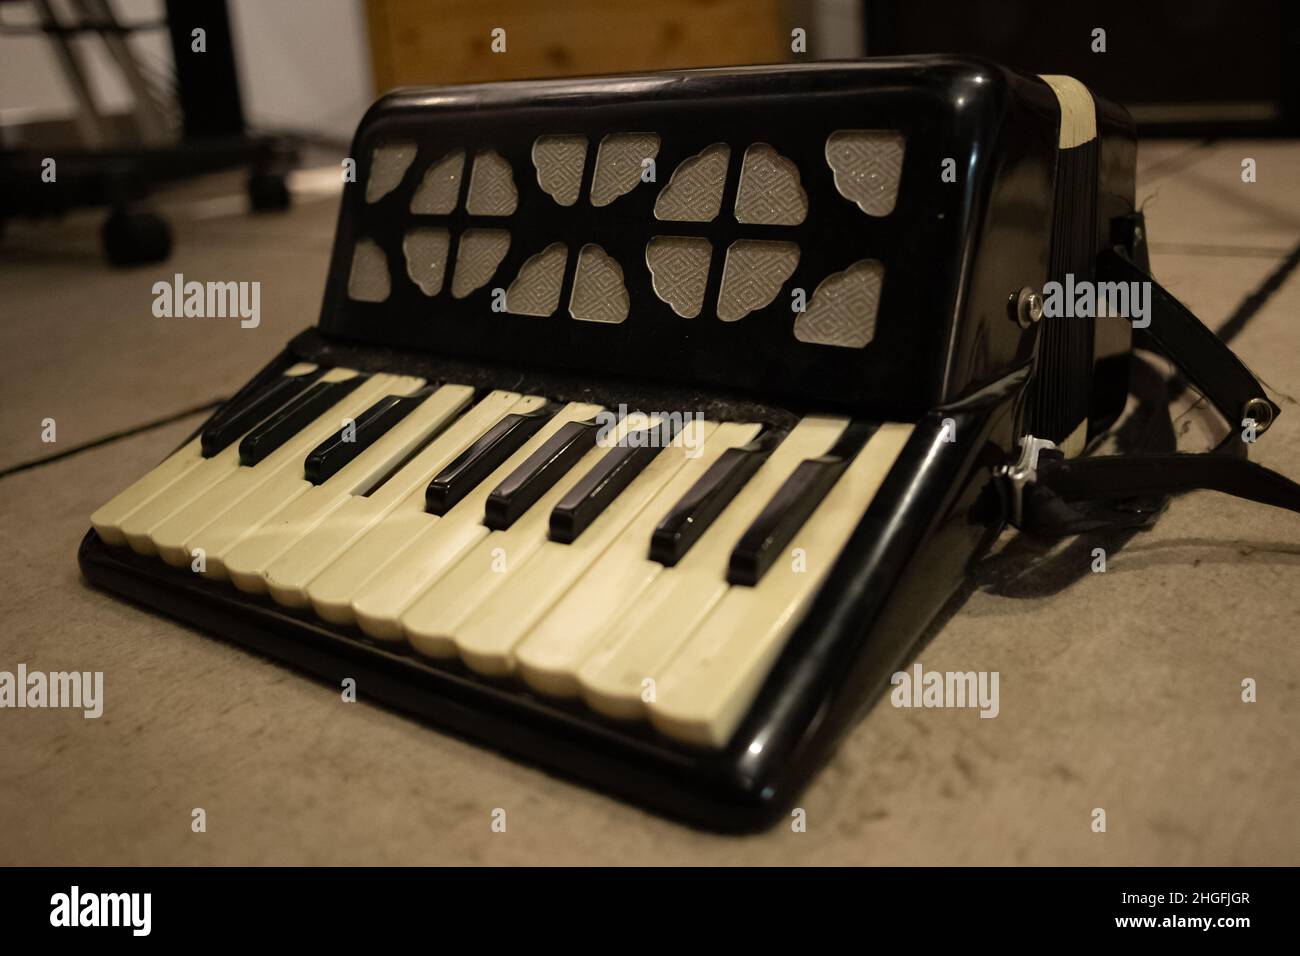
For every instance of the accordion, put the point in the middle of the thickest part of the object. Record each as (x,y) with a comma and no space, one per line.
(651,420)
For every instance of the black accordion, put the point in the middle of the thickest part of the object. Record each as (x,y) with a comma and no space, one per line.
(651,420)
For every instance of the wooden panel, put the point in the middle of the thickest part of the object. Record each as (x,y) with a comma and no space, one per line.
(421,42)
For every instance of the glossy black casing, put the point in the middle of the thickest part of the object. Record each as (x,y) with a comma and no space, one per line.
(947,357)
(952,248)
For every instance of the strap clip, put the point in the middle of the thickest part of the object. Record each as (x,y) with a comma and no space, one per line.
(1024,471)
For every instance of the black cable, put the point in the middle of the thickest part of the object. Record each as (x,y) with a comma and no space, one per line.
(108,439)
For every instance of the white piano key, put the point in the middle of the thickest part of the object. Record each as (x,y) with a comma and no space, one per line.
(272,491)
(107,520)
(709,685)
(289,575)
(331,592)
(307,505)
(486,639)
(550,654)
(202,522)
(640,646)
(477,578)
(379,603)
(138,527)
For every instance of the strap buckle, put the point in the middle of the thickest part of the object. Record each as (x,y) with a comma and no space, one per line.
(1024,471)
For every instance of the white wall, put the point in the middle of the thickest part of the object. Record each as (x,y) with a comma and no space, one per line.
(303,64)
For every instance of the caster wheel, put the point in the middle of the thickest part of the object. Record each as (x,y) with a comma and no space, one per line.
(136,238)
(268,192)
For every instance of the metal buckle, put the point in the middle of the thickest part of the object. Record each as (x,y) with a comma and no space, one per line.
(1022,472)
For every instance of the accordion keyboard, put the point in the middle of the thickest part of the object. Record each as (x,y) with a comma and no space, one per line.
(651,565)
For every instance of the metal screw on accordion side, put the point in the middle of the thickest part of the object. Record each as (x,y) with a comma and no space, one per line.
(1025,306)
(1262,413)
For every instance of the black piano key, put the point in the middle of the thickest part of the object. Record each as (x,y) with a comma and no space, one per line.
(593,492)
(698,508)
(283,424)
(796,499)
(482,458)
(243,413)
(339,449)
(536,476)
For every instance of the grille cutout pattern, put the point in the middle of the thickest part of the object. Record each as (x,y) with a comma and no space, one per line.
(536,290)
(694,193)
(679,271)
(368,280)
(440,188)
(619,162)
(388,165)
(865,165)
(599,294)
(754,272)
(479,251)
(426,257)
(770,192)
(477,258)
(492,189)
(843,309)
(558,161)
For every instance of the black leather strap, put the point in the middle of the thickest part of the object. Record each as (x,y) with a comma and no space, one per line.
(1070,496)
(1073,496)
(1135,476)
(1205,360)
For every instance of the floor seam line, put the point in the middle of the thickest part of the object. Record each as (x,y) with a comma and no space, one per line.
(110,438)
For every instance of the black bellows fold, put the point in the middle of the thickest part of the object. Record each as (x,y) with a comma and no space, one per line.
(1060,394)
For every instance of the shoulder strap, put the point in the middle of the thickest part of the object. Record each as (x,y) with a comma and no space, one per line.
(1053,495)
(1175,332)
